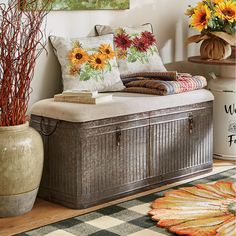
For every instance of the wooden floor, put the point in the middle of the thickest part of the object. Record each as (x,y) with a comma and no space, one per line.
(45,212)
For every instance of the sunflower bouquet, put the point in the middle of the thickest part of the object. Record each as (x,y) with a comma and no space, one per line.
(90,63)
(214,19)
(213,15)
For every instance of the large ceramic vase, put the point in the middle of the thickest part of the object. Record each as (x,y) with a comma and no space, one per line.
(21,164)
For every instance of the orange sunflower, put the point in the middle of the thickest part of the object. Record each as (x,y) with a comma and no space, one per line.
(202,210)
(121,54)
(107,51)
(226,10)
(201,17)
(97,61)
(78,56)
(120,31)
(74,70)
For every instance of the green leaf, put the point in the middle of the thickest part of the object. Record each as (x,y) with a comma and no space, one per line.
(145,58)
(229,29)
(84,76)
(131,59)
(142,57)
(152,50)
(210,4)
(211,24)
(133,50)
(109,66)
(97,75)
(141,60)
(87,67)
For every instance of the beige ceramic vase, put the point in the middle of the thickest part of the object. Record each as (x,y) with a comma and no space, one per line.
(21,164)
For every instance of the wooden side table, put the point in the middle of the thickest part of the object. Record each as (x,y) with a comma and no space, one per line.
(224,108)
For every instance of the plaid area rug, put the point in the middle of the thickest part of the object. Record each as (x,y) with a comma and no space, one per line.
(128,218)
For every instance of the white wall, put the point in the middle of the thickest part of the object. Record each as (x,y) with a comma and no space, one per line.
(170,27)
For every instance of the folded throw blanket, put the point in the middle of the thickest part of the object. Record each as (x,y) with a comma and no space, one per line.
(165,75)
(183,83)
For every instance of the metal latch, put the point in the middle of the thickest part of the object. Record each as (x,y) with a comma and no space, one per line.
(190,123)
(118,137)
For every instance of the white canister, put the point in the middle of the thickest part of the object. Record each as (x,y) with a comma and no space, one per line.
(224,117)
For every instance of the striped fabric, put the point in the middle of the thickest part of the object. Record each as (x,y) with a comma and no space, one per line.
(184,83)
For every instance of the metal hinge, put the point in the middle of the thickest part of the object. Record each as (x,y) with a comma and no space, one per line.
(190,123)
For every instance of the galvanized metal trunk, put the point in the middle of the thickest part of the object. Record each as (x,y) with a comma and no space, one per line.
(92,162)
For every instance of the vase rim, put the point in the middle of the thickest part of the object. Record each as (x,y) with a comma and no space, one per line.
(14,127)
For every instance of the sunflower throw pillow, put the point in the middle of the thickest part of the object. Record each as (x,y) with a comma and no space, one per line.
(88,63)
(135,48)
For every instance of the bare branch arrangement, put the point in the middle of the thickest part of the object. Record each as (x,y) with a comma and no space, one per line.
(21,39)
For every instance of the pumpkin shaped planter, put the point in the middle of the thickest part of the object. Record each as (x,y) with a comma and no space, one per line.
(215,45)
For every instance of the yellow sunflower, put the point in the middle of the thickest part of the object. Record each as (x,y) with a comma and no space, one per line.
(97,61)
(226,10)
(217,1)
(78,56)
(107,51)
(201,17)
(202,210)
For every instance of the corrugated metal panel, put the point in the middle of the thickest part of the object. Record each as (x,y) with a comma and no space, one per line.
(175,146)
(107,165)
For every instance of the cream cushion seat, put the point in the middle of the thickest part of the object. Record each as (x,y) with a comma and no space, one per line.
(122,104)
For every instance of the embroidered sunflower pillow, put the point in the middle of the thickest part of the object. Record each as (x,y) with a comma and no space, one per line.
(88,63)
(135,48)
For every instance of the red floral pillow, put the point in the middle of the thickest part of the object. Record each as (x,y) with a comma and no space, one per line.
(135,48)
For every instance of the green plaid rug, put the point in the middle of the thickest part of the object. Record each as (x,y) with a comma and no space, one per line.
(128,218)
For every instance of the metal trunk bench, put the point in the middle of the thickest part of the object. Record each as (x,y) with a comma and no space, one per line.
(96,153)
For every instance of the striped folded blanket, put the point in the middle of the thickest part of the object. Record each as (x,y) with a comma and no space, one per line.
(183,83)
